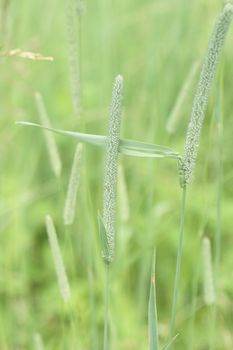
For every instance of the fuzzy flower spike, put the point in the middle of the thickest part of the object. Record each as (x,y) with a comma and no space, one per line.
(110,171)
(200,101)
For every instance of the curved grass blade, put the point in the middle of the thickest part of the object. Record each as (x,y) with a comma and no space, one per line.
(152,312)
(127,147)
(97,140)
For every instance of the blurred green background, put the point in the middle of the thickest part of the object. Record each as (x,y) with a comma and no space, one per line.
(154,45)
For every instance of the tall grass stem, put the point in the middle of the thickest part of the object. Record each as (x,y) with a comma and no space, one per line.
(178,264)
(106,307)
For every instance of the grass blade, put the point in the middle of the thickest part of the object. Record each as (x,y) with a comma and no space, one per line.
(105,250)
(167,346)
(146,147)
(208,277)
(127,147)
(152,312)
(70,202)
(97,140)
(58,260)
(54,156)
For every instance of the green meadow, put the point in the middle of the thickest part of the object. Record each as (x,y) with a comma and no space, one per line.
(64,70)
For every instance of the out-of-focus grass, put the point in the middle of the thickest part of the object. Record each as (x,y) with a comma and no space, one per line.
(153,45)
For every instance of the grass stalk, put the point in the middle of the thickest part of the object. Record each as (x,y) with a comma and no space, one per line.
(152,311)
(178,265)
(106,306)
(107,225)
(218,229)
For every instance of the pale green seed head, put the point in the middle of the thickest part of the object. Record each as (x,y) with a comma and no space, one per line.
(111,165)
(202,93)
(62,278)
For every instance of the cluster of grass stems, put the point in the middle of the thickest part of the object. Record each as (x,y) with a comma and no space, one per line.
(114,145)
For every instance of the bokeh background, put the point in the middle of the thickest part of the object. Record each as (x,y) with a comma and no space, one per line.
(156,45)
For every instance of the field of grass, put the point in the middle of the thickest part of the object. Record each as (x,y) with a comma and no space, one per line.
(158,47)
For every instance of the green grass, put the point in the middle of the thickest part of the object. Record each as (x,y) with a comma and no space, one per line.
(153,44)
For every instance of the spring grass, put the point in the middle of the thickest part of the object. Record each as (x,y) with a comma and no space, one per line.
(187,163)
(29,295)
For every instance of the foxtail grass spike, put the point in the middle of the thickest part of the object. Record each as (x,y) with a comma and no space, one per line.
(58,260)
(51,143)
(111,165)
(201,97)
(80,7)
(208,279)
(73,7)
(73,185)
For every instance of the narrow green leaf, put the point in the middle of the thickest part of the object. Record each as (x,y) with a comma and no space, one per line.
(147,147)
(127,147)
(97,140)
(105,251)
(130,152)
(152,312)
(170,342)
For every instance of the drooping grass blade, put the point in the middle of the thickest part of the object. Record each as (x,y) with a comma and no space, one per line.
(127,147)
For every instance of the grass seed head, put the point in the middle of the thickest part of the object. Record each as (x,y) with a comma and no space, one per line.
(58,260)
(201,97)
(111,164)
